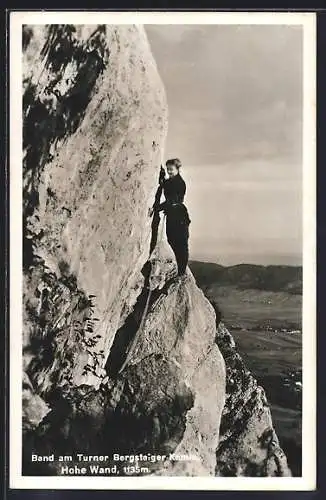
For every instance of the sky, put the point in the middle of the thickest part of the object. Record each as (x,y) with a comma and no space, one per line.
(235,120)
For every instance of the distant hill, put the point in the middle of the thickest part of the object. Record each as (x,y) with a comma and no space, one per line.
(249,276)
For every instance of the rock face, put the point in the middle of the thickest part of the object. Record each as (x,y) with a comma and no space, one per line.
(95,121)
(100,377)
(248,443)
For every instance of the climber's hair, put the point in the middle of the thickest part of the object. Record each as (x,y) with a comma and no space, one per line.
(174,161)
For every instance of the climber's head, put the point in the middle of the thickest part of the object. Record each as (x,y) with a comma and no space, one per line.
(173,166)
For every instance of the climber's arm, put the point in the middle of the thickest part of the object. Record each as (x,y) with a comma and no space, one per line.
(162,206)
(157,204)
(157,207)
(158,196)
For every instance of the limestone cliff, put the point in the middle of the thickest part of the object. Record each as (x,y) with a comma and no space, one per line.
(95,120)
(248,444)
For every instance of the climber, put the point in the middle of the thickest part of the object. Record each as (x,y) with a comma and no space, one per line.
(177,217)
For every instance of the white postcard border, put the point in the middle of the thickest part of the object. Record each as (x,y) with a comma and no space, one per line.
(308,480)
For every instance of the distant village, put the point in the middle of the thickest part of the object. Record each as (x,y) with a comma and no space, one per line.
(266,328)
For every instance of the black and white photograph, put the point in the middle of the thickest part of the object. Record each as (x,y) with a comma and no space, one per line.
(162,183)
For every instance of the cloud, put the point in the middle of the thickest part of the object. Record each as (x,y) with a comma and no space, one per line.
(232,90)
(235,120)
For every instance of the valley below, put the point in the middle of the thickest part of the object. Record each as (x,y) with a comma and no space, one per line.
(265,322)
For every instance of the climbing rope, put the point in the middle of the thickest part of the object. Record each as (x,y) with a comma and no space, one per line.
(143,318)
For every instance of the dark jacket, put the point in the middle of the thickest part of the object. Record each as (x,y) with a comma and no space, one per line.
(174,191)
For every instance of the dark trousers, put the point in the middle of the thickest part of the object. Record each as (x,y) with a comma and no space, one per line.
(178,235)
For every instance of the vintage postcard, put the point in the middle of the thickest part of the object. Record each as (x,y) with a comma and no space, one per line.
(162,250)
